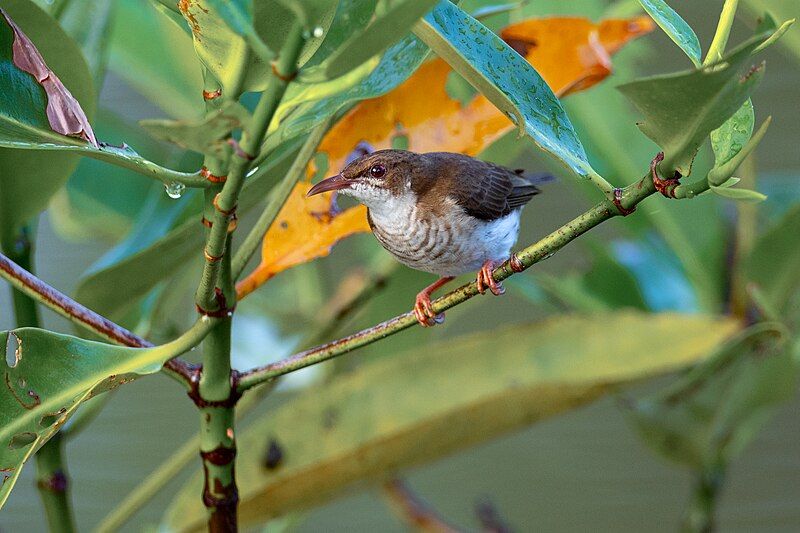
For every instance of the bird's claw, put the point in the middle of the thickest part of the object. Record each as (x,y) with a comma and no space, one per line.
(423,310)
(486,280)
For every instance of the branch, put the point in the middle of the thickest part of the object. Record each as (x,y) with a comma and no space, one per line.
(77,313)
(418,515)
(624,203)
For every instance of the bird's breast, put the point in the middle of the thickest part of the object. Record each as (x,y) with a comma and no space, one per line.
(445,244)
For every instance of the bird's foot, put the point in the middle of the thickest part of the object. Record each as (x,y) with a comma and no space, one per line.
(423,310)
(486,280)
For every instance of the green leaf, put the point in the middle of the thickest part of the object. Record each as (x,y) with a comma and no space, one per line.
(350,15)
(88,22)
(730,138)
(396,65)
(206,135)
(709,415)
(132,266)
(742,195)
(385,29)
(506,79)
(405,409)
(48,375)
(163,67)
(783,10)
(29,179)
(774,262)
(682,109)
(675,27)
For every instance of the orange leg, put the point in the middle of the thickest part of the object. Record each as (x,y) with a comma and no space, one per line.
(485,279)
(422,307)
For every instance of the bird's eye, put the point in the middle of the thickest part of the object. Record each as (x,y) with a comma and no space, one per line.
(377,171)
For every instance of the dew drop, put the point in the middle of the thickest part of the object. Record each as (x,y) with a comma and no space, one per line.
(251,172)
(174,189)
(318,32)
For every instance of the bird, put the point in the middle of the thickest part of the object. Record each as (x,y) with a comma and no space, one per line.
(439,212)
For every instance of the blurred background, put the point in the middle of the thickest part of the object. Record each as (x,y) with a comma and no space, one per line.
(584,470)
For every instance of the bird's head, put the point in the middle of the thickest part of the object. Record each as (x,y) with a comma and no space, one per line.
(377,178)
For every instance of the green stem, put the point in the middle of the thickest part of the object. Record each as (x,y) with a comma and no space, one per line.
(278,197)
(717,48)
(700,516)
(51,472)
(519,261)
(52,482)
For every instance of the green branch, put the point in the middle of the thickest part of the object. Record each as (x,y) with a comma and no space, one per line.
(626,201)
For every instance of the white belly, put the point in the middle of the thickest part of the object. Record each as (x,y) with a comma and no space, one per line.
(446,246)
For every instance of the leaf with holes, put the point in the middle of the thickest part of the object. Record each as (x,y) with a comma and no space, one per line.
(675,27)
(506,80)
(426,113)
(36,107)
(409,408)
(46,377)
(305,229)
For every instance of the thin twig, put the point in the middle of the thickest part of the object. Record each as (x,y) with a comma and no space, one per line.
(518,262)
(417,514)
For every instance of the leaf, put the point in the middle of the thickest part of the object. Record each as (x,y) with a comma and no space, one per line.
(730,138)
(783,10)
(89,23)
(709,415)
(177,250)
(742,195)
(682,109)
(220,49)
(206,135)
(774,262)
(675,27)
(47,376)
(405,409)
(385,29)
(425,112)
(305,229)
(163,67)
(27,179)
(506,79)
(397,64)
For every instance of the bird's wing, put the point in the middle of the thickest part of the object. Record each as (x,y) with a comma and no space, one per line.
(491,191)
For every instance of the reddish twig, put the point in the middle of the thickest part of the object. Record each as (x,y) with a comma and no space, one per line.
(666,186)
(412,510)
(80,314)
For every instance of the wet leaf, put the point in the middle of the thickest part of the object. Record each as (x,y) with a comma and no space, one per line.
(742,195)
(47,377)
(29,179)
(675,27)
(425,112)
(506,79)
(774,263)
(305,229)
(384,30)
(709,415)
(405,409)
(681,110)
(731,137)
(206,135)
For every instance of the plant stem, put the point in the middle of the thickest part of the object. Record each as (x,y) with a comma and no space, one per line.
(414,512)
(518,262)
(53,482)
(700,517)
(51,475)
(279,196)
(717,48)
(28,284)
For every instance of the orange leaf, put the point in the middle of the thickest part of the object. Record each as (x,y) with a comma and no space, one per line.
(570,53)
(305,229)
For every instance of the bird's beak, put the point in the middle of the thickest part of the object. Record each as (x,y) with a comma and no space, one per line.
(334,183)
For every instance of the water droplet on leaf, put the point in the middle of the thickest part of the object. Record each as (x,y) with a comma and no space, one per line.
(174,189)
